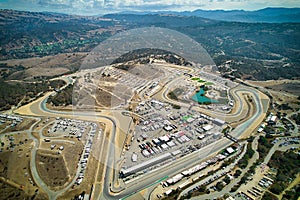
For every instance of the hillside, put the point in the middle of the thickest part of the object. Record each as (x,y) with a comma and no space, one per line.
(267,15)
(258,51)
(30,34)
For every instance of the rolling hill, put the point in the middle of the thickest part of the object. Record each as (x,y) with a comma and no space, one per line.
(257,51)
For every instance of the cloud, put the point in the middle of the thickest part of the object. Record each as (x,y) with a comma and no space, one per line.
(55,3)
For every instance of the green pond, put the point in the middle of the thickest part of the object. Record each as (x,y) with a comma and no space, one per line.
(200,98)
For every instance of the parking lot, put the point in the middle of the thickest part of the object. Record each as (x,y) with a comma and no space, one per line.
(82,130)
(166,130)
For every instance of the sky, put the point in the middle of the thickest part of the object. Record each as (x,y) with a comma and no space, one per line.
(94,7)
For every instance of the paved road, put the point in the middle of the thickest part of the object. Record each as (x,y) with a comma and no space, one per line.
(111,152)
(36,177)
(148,179)
(190,160)
(276,147)
(226,190)
(229,117)
(39,109)
(151,178)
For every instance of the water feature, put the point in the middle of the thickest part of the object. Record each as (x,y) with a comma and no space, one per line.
(200,98)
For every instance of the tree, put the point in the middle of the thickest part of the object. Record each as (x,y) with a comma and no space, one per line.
(202,188)
(269,196)
(226,179)
(176,106)
(243,180)
(172,95)
(189,195)
(276,188)
(219,186)
(237,173)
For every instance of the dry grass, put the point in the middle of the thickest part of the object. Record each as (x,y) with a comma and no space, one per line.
(283,91)
(17,176)
(24,125)
(46,66)
(86,183)
(72,155)
(52,169)
(58,170)
(9,192)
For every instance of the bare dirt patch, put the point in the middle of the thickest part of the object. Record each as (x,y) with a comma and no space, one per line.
(24,125)
(86,183)
(59,169)
(46,66)
(283,92)
(293,88)
(52,169)
(17,175)
(9,192)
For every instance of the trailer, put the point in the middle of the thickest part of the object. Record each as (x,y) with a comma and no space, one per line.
(181,186)
(168,192)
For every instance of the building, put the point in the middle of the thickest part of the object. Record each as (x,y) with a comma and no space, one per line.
(190,120)
(175,153)
(218,122)
(136,168)
(181,186)
(208,127)
(168,128)
(174,179)
(164,138)
(168,192)
(230,150)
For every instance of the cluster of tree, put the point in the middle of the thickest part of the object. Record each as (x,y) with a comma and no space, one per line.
(176,106)
(248,155)
(287,165)
(263,148)
(296,118)
(269,196)
(284,106)
(143,56)
(292,194)
(256,48)
(219,186)
(35,34)
(6,70)
(237,173)
(62,97)
(12,93)
(172,95)
(204,87)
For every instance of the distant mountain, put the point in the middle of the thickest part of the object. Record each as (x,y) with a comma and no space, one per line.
(267,15)
(28,34)
(260,51)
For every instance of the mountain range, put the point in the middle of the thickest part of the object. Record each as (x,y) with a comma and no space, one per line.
(258,51)
(267,15)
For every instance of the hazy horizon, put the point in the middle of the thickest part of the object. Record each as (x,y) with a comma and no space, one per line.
(99,7)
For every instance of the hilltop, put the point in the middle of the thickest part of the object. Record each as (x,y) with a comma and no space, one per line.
(256,51)
(266,15)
